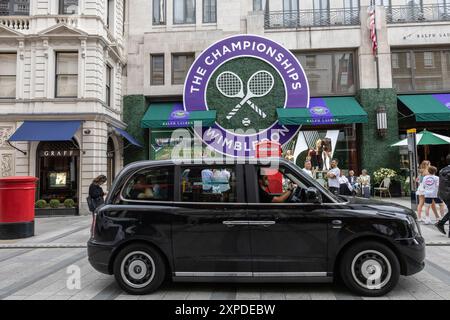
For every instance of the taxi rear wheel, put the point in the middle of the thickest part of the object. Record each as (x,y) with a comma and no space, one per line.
(139,269)
(370,269)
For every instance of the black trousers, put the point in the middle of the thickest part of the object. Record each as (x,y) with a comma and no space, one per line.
(447,216)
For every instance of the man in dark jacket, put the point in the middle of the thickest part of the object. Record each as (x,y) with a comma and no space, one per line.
(444,194)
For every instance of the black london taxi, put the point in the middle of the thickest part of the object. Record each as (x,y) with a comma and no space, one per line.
(227,221)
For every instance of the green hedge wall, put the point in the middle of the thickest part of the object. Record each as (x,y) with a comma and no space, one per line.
(134,108)
(376,151)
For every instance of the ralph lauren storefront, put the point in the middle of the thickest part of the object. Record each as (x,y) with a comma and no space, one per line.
(255,90)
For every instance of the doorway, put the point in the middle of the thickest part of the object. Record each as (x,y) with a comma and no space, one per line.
(58,170)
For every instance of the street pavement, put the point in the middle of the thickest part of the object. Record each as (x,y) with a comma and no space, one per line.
(42,266)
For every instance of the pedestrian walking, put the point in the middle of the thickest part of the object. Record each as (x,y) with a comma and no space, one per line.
(96,193)
(333,176)
(444,194)
(431,187)
(420,189)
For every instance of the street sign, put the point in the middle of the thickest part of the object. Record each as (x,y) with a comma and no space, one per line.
(413,165)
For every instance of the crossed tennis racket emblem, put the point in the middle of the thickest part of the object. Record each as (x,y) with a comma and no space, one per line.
(259,85)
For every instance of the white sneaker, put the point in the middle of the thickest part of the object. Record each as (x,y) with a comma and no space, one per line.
(422,220)
(428,220)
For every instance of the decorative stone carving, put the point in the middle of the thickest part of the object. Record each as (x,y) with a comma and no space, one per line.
(5,133)
(21,49)
(6,165)
(45,45)
(83,48)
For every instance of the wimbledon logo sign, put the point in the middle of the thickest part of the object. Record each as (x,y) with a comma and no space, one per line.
(245,78)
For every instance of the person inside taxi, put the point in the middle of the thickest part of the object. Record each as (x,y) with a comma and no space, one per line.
(266,197)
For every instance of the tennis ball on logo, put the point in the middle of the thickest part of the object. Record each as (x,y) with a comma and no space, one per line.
(246,122)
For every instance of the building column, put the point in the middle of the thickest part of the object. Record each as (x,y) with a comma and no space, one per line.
(134,108)
(375,150)
(93,158)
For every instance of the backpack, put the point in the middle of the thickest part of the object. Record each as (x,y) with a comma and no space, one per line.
(444,183)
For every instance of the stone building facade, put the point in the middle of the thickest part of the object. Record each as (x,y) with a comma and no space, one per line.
(161,31)
(62,61)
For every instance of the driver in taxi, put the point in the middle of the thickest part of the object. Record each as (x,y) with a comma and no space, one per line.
(266,197)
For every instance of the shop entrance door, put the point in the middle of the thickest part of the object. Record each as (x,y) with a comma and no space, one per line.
(58,170)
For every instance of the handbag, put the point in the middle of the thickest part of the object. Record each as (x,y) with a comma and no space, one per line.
(91,203)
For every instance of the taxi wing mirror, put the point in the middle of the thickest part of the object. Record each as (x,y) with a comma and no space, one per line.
(313,195)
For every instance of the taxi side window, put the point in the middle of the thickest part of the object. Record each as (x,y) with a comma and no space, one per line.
(208,184)
(155,184)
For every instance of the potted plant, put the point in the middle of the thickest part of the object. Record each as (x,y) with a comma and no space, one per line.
(383,173)
(55,208)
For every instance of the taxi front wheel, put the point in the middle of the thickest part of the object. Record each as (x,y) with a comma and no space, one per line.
(370,269)
(139,269)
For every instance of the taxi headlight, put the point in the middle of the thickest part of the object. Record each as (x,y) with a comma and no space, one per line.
(414,226)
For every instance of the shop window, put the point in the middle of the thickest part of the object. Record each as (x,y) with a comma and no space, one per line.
(57,169)
(209,11)
(428,59)
(329,73)
(322,145)
(154,184)
(208,184)
(159,12)
(68,6)
(8,75)
(180,66)
(66,74)
(394,61)
(157,69)
(311,61)
(421,71)
(183,11)
(402,74)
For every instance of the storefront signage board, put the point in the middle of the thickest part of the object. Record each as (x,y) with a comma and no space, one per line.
(245,78)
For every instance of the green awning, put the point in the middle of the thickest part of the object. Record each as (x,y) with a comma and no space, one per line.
(428,107)
(173,115)
(338,110)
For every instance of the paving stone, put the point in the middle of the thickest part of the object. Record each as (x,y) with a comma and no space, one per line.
(21,268)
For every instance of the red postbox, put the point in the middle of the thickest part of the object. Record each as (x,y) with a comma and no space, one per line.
(17,196)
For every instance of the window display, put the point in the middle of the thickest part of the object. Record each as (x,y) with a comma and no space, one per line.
(57,179)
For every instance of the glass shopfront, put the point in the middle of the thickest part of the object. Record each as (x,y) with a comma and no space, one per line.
(58,170)
(321,145)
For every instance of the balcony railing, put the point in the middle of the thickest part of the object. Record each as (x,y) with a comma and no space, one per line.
(16,22)
(311,18)
(417,13)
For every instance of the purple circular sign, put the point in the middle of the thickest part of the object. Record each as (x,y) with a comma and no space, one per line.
(243,141)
